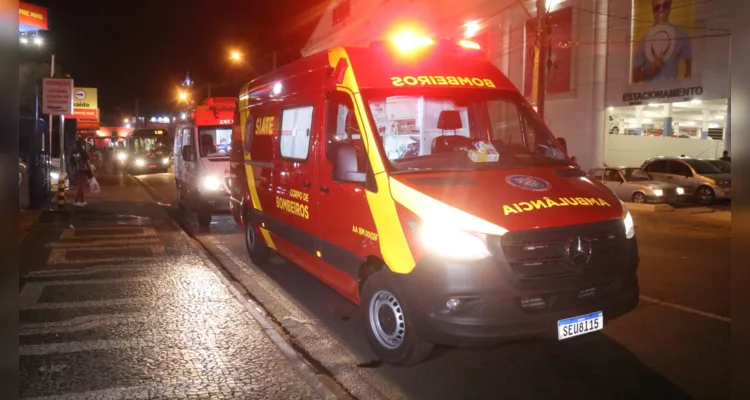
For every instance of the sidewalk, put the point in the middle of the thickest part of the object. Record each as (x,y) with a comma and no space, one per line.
(115,303)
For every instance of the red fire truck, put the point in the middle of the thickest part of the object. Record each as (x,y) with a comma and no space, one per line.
(413,178)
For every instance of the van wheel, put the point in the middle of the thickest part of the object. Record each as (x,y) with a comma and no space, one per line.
(639,198)
(204,218)
(388,327)
(259,252)
(705,195)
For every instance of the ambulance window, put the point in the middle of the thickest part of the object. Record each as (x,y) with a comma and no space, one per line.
(342,127)
(296,128)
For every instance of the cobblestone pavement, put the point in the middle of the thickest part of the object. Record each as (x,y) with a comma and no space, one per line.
(115,304)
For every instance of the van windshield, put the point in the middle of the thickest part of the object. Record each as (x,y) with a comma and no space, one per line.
(459,129)
(215,141)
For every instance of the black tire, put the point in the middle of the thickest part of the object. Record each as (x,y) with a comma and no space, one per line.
(204,218)
(639,198)
(705,195)
(258,251)
(379,299)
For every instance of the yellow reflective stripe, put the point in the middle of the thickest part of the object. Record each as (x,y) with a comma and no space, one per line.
(393,245)
(435,211)
(244,112)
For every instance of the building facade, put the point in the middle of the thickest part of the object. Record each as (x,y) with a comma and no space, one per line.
(629,79)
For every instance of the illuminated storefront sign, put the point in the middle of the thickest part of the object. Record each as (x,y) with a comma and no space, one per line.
(32,18)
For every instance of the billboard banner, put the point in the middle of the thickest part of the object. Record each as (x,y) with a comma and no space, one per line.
(85,104)
(560,66)
(662,46)
(32,17)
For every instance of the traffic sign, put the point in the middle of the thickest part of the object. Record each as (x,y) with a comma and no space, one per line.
(57,96)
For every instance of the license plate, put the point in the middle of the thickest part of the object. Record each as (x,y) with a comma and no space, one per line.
(576,326)
(152,166)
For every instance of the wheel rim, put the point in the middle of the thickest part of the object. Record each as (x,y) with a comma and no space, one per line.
(704,195)
(387,320)
(250,237)
(639,198)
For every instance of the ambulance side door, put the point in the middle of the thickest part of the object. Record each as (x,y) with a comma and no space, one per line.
(294,183)
(348,229)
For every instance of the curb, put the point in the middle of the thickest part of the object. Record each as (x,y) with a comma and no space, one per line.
(304,370)
(649,207)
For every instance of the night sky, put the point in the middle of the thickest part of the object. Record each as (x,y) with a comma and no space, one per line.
(142,49)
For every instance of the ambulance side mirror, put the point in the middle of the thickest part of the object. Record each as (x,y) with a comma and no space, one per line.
(563,143)
(345,164)
(187,153)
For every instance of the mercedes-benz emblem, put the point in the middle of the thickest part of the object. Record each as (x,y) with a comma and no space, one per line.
(579,251)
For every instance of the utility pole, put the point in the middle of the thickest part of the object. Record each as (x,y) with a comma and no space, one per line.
(137,117)
(541,57)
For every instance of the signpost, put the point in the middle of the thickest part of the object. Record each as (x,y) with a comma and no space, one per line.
(57,99)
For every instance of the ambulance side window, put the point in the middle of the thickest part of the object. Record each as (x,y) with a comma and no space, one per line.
(342,127)
(296,129)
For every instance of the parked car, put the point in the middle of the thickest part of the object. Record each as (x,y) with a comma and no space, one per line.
(635,185)
(697,177)
(723,166)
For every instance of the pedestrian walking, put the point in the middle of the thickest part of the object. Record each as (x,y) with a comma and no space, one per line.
(80,164)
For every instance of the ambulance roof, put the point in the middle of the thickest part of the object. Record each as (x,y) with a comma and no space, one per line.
(377,67)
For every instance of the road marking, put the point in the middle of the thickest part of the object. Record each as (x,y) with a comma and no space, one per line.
(59,256)
(123,242)
(79,323)
(70,233)
(75,347)
(686,309)
(134,301)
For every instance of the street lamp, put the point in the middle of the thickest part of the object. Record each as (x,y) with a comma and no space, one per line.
(182,95)
(235,56)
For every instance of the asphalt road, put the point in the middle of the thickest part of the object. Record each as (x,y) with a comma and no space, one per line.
(674,345)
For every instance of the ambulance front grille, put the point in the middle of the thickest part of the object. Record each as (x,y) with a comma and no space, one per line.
(561,251)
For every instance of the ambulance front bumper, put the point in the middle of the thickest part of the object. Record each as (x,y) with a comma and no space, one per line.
(484,302)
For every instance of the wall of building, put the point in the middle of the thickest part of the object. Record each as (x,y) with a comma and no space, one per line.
(634,150)
(599,47)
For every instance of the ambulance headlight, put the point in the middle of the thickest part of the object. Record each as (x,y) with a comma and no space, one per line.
(140,162)
(122,156)
(453,244)
(165,160)
(211,183)
(628,222)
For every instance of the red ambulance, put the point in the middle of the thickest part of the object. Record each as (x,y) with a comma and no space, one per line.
(202,144)
(412,177)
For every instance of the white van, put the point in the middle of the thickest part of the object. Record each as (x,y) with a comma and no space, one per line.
(202,145)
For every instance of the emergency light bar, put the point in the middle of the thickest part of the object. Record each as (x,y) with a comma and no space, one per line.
(410,44)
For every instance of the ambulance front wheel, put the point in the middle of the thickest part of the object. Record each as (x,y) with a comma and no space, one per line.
(259,252)
(389,328)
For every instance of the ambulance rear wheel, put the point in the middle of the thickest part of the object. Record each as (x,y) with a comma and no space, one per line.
(389,329)
(204,218)
(259,252)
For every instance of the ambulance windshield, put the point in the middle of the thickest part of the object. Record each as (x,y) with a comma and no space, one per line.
(215,141)
(460,129)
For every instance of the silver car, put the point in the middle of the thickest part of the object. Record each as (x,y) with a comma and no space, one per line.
(699,178)
(634,185)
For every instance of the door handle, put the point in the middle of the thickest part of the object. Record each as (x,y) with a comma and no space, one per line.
(325,189)
(306,184)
